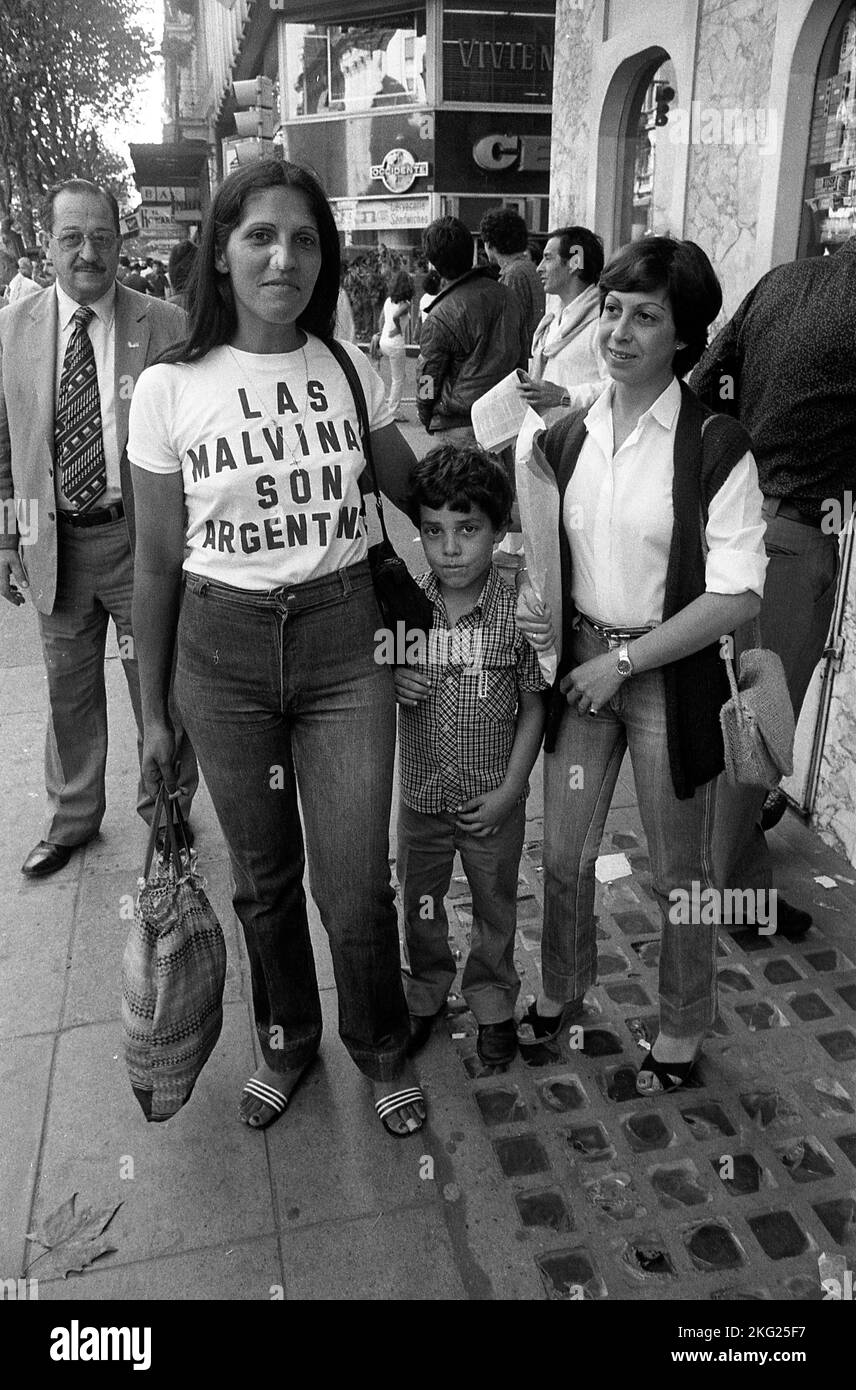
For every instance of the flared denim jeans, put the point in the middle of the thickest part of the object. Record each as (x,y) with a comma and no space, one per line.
(579,781)
(284,700)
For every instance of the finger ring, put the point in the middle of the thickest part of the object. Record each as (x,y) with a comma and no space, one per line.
(592,710)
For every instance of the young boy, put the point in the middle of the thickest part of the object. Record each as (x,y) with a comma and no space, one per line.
(469,732)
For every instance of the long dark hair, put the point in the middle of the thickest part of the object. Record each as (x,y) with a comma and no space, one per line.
(211,303)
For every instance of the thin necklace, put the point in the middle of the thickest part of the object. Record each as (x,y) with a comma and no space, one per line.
(272,421)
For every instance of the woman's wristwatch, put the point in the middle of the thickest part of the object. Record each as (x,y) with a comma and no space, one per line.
(624,666)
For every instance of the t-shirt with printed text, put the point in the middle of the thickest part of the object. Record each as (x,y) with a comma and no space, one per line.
(269,448)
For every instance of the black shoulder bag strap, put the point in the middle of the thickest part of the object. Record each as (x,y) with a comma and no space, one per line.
(359,395)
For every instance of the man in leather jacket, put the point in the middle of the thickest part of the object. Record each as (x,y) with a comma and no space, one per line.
(473,335)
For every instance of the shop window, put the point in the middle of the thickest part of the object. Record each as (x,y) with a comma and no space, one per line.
(649,154)
(829,206)
(363,65)
(495,54)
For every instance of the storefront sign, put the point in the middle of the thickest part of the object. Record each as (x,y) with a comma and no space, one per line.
(380,214)
(502,54)
(398,170)
(476,154)
(524,152)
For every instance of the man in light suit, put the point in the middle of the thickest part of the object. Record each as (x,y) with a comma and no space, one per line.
(69,358)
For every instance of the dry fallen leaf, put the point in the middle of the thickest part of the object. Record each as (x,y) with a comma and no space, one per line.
(75,1237)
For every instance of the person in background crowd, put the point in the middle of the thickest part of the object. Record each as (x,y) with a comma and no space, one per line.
(67,358)
(567,369)
(134,280)
(784,366)
(124,270)
(534,249)
(158,284)
(430,290)
(394,315)
(643,611)
(23,283)
(181,261)
(346,329)
(284,600)
(474,335)
(506,242)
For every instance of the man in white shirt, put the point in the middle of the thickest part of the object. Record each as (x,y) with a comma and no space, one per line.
(23,283)
(69,358)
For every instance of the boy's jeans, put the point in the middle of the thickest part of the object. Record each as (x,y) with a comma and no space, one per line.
(579,781)
(426,851)
(283,694)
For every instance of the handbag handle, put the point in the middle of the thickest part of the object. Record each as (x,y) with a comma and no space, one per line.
(174,820)
(359,395)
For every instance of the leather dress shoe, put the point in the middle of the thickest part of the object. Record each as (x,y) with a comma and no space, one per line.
(497,1042)
(420,1030)
(46,858)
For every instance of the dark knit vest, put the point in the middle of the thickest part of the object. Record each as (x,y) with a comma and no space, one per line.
(696,685)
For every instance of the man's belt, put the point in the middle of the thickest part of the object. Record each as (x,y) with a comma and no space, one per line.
(96,516)
(613,634)
(790,512)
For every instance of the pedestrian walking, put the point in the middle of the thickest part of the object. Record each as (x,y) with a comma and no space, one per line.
(643,611)
(784,366)
(394,315)
(247,461)
(63,463)
(506,242)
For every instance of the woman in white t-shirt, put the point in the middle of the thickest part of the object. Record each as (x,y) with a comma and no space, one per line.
(245,442)
(394,314)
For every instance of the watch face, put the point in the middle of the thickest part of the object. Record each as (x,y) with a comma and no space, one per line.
(624,667)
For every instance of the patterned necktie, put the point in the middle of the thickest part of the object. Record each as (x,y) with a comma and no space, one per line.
(79,443)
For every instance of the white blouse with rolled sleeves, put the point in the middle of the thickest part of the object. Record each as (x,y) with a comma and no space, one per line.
(618,518)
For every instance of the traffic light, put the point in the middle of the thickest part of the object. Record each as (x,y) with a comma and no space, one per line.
(662,96)
(256,119)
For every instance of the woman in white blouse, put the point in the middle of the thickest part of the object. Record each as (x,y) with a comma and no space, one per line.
(661,542)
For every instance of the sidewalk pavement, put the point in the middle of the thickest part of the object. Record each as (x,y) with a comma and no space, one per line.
(552,1180)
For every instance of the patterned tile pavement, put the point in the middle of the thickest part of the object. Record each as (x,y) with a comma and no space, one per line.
(732,1189)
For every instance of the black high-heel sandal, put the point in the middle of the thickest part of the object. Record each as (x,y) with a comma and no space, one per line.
(671,1075)
(546,1027)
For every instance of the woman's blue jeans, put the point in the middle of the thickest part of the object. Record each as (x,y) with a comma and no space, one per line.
(283,698)
(579,781)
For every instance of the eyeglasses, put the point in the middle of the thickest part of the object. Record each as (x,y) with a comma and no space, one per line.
(71,241)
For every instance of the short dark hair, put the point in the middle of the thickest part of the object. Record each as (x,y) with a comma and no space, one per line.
(592,248)
(431,283)
(461,476)
(400,285)
(449,247)
(505,230)
(77,186)
(213,319)
(181,259)
(683,270)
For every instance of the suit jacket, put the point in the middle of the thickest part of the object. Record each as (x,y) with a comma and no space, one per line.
(144,327)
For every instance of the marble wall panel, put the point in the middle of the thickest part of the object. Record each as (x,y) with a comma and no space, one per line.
(572,111)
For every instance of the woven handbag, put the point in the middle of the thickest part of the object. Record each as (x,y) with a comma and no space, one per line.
(758,721)
(173,974)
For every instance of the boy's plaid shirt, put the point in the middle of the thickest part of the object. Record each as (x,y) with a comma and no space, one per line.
(456,744)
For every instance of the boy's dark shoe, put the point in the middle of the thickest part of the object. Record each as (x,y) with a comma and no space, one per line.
(497,1042)
(791,922)
(420,1030)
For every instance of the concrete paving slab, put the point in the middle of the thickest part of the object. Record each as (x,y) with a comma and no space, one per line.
(25,1065)
(400,1255)
(35,930)
(245,1270)
(330,1157)
(199,1179)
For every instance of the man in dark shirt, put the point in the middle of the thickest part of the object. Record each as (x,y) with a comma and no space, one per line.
(785,366)
(506,241)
